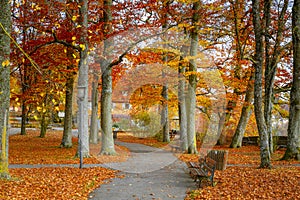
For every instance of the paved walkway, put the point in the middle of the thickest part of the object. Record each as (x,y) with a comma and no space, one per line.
(150,173)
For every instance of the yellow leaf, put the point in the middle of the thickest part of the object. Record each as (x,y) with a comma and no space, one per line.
(65,50)
(73,38)
(57,25)
(74,56)
(74,18)
(35,117)
(82,46)
(5,63)
(78,26)
(39,108)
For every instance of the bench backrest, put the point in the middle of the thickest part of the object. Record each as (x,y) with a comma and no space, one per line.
(208,165)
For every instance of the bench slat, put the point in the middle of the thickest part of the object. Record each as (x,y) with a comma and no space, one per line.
(204,169)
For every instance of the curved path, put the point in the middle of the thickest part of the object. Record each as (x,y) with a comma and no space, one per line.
(150,173)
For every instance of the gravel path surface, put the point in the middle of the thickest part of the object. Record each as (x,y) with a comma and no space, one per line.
(150,173)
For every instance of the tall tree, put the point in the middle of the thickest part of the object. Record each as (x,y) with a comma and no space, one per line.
(107,146)
(182,101)
(164,94)
(83,80)
(240,30)
(191,96)
(272,57)
(293,145)
(95,108)
(245,115)
(5,29)
(258,104)
(68,120)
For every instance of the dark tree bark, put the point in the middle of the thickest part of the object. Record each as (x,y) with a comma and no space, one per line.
(68,120)
(165,113)
(258,103)
(271,61)
(5,30)
(45,119)
(24,110)
(245,115)
(293,145)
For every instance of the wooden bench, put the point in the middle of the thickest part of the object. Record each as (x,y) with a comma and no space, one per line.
(203,170)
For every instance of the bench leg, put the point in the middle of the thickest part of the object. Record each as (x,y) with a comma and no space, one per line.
(200,181)
(204,178)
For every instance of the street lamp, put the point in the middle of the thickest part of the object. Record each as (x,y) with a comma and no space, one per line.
(81,90)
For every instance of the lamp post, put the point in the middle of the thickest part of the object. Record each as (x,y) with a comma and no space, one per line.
(80,94)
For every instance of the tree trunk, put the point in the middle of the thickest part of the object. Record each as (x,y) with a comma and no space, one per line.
(164,94)
(43,125)
(221,130)
(24,117)
(165,113)
(67,133)
(245,115)
(94,118)
(269,75)
(107,147)
(293,145)
(258,105)
(238,11)
(182,109)
(25,86)
(191,98)
(272,62)
(5,29)
(44,117)
(83,83)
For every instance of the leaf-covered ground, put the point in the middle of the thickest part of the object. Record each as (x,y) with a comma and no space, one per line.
(31,149)
(252,183)
(244,181)
(54,182)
